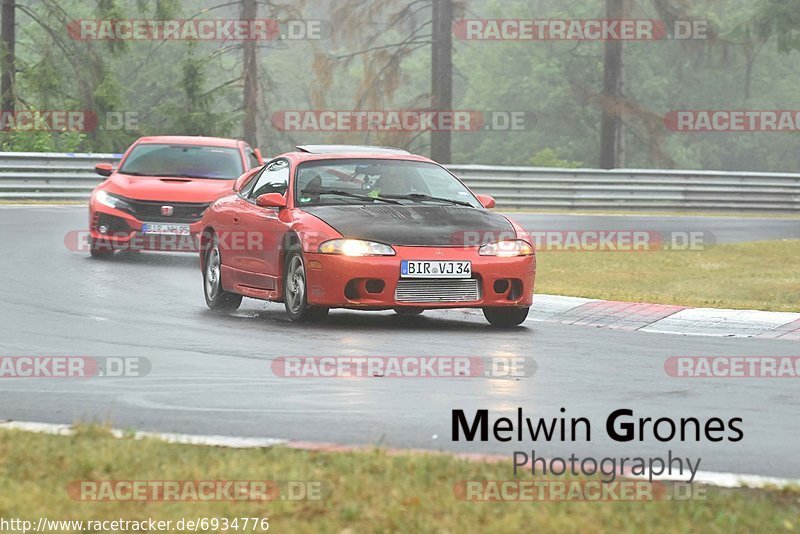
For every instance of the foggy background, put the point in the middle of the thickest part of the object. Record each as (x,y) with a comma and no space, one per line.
(378,54)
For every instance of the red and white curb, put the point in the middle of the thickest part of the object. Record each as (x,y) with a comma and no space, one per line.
(724,480)
(665,318)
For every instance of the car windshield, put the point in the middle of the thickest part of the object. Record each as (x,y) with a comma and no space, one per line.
(188,161)
(376,181)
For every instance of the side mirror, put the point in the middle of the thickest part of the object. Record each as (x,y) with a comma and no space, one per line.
(104,169)
(271,200)
(260,159)
(486,201)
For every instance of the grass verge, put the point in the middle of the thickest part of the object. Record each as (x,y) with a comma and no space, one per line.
(370,491)
(763,275)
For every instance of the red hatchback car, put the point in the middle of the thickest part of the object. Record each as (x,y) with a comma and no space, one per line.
(155,198)
(364,228)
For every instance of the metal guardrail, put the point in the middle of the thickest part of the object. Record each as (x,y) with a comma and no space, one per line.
(633,189)
(50,176)
(47,176)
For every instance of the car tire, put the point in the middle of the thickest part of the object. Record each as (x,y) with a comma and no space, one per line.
(100,249)
(295,295)
(506,317)
(408,311)
(217,298)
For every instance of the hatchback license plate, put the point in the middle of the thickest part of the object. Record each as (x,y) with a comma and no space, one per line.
(165,229)
(435,269)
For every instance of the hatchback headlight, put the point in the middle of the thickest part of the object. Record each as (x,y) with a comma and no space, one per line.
(507,249)
(107,199)
(355,247)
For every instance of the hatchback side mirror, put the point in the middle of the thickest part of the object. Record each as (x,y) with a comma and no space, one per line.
(104,169)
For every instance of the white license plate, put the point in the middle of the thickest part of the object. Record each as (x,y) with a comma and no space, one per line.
(435,269)
(165,229)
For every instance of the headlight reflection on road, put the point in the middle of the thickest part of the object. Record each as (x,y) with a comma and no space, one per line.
(505,391)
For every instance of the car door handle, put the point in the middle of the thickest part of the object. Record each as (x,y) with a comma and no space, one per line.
(236,220)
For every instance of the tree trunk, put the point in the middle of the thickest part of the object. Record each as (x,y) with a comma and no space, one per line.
(611,126)
(8,63)
(250,75)
(442,74)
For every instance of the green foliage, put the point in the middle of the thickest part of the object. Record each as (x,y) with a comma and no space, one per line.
(196,88)
(111,10)
(781,19)
(549,158)
(41,141)
(71,141)
(197,117)
(19,141)
(44,77)
(106,94)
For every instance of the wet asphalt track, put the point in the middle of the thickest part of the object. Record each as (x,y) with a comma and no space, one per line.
(211,374)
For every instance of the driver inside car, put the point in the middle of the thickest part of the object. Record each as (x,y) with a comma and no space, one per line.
(390,183)
(310,193)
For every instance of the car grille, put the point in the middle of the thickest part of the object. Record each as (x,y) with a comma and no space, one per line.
(148,211)
(437,290)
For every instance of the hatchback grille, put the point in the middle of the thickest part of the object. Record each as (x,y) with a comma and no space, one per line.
(149,211)
(467,290)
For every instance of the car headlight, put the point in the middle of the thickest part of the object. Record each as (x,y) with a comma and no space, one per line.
(107,199)
(355,247)
(507,249)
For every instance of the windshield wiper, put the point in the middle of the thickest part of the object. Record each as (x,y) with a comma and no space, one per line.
(422,196)
(348,194)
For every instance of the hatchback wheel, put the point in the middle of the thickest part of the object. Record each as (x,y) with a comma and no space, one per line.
(100,249)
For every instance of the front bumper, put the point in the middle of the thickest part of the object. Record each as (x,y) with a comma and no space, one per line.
(124,232)
(371,282)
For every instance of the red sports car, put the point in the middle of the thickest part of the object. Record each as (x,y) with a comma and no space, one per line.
(155,198)
(363,228)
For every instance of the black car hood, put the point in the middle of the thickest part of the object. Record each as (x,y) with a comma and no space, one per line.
(416,225)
